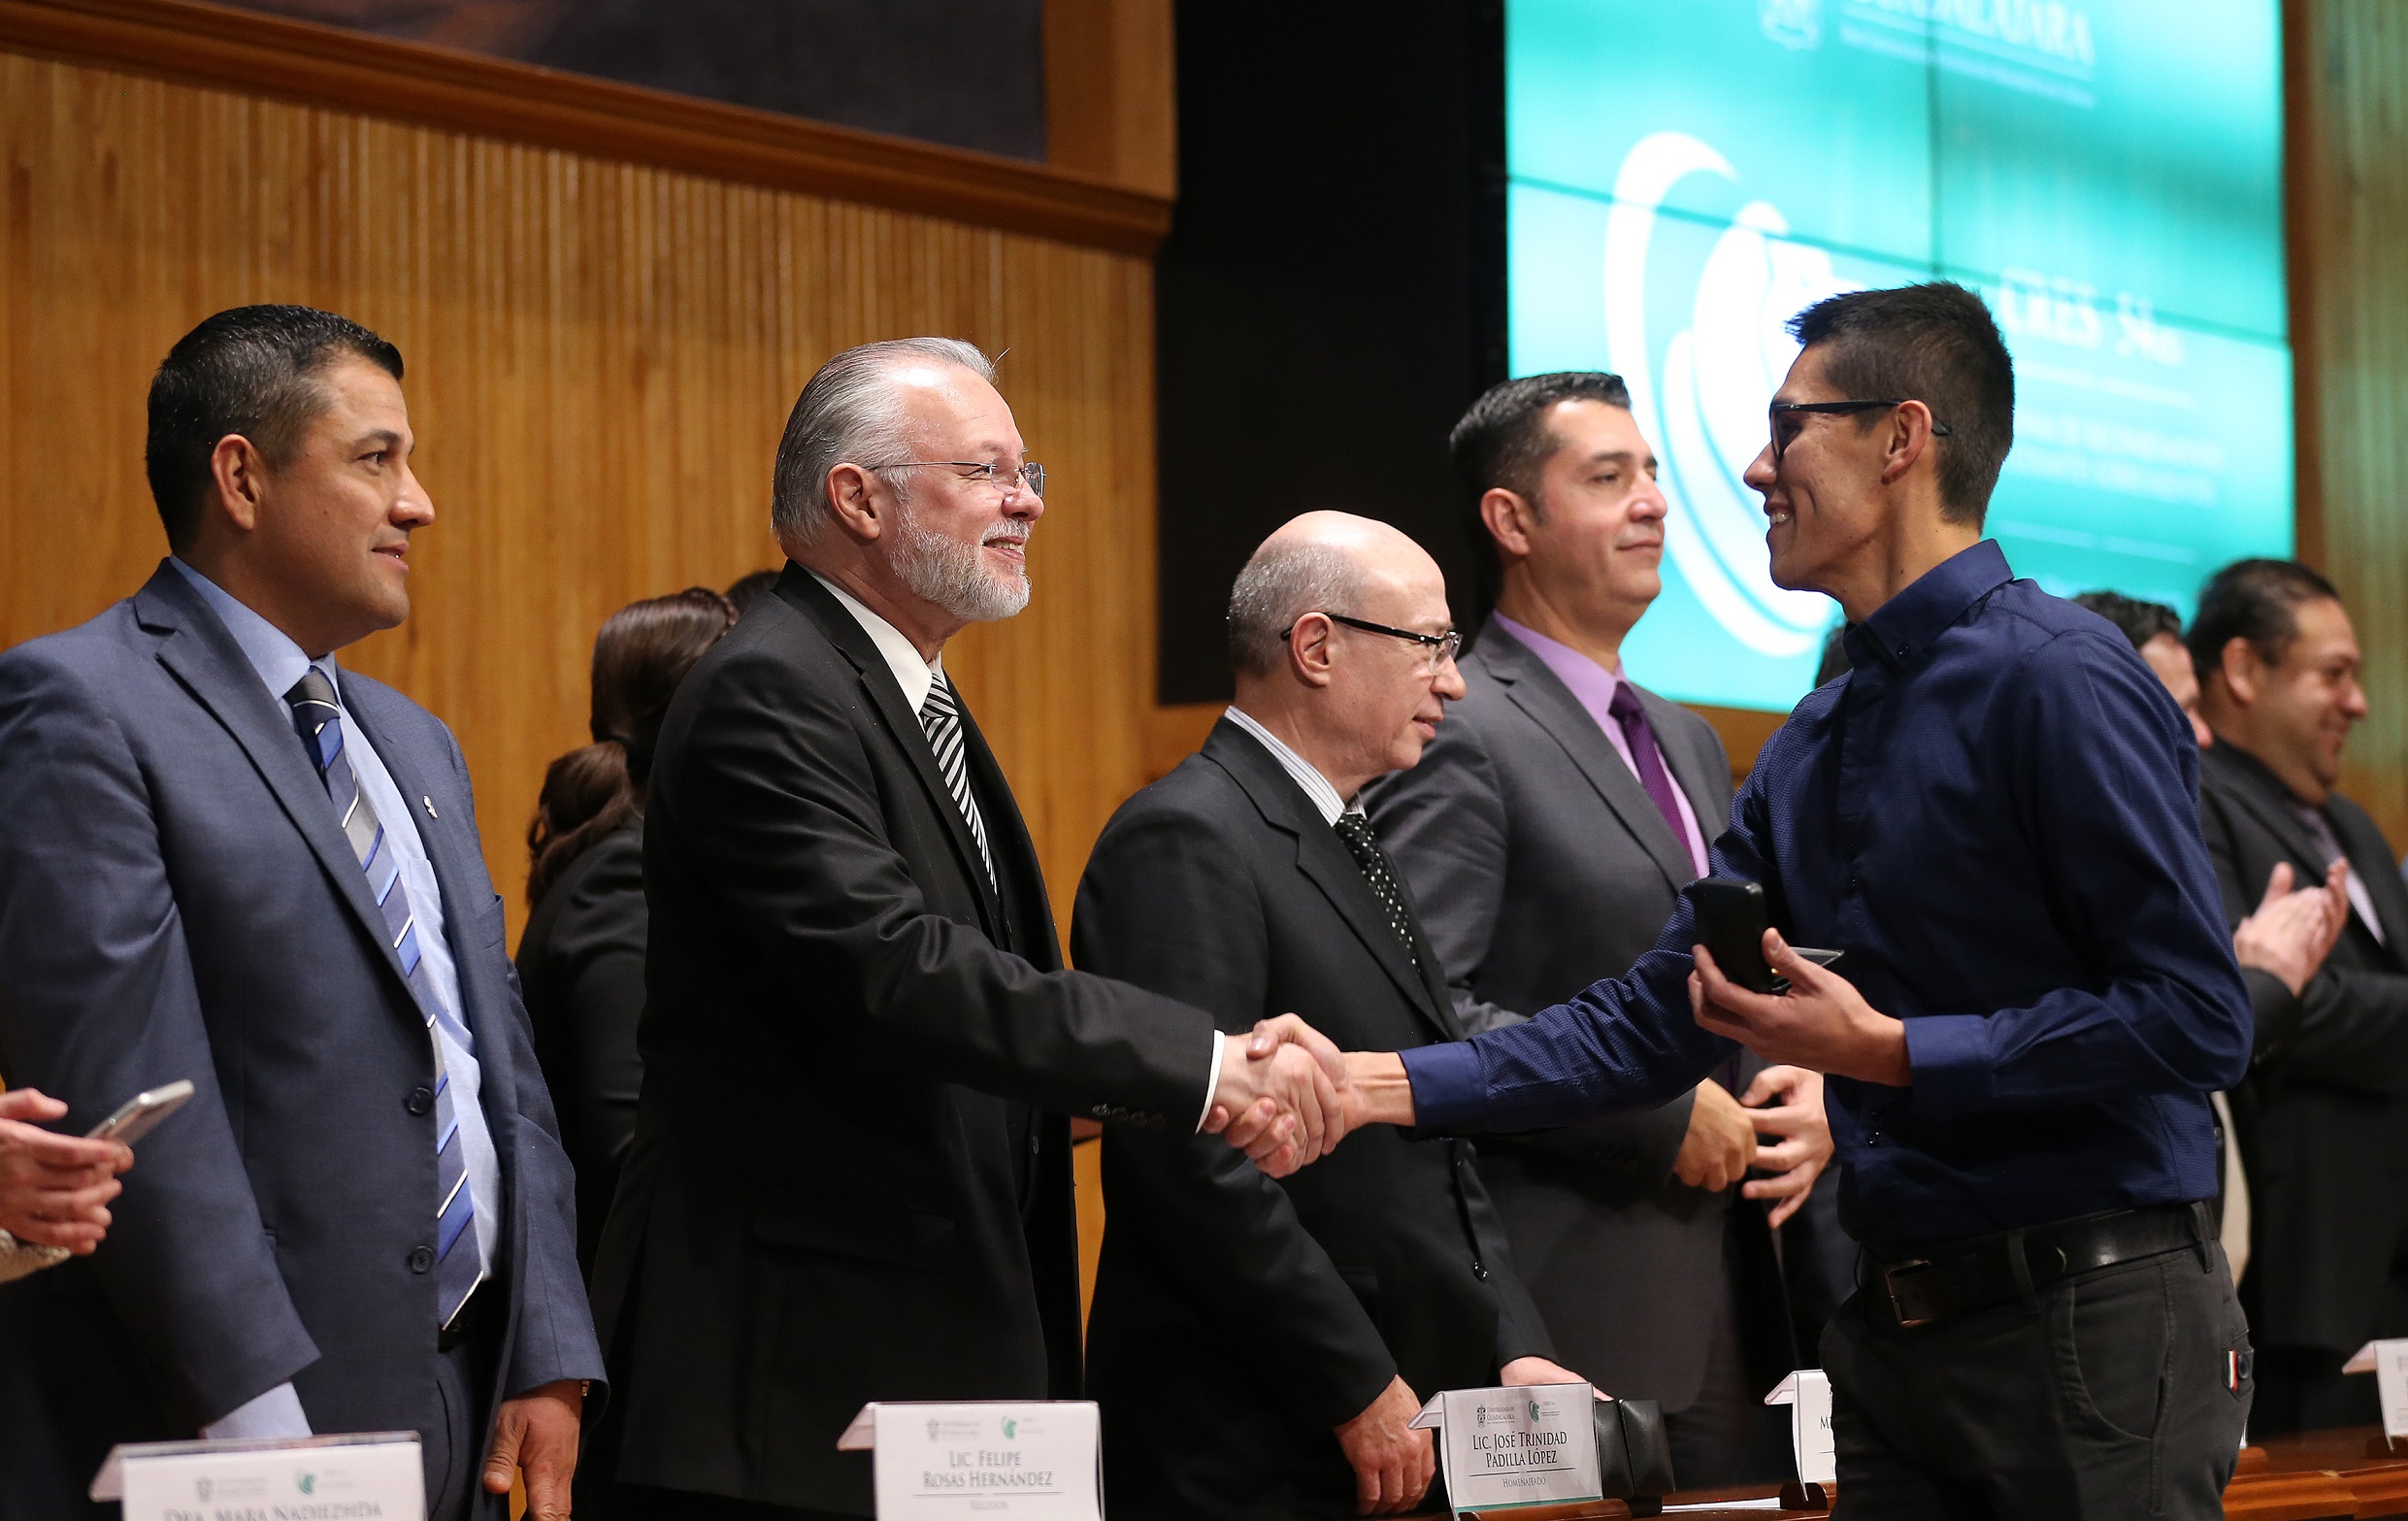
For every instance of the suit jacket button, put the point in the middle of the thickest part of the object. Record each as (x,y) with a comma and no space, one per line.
(421,1259)
(1101,1111)
(1479,1270)
(421,1100)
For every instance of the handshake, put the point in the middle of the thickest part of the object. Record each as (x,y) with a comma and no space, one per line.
(1282,1096)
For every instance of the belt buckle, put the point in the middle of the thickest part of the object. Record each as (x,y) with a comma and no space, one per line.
(1889,1275)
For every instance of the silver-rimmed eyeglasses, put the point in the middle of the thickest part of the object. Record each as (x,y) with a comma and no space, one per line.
(1030,476)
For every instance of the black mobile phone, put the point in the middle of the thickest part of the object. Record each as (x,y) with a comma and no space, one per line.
(1731,924)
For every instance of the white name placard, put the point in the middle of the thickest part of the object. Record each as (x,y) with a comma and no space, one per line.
(2387,1361)
(1807,1393)
(373,1477)
(987,1459)
(1531,1446)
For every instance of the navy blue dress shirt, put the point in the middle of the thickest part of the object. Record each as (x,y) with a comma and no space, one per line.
(1995,814)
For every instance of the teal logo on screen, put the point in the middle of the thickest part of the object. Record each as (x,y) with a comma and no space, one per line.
(1683,179)
(1702,403)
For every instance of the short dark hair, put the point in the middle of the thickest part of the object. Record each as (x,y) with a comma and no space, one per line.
(251,371)
(1935,344)
(1504,440)
(2256,600)
(2137,620)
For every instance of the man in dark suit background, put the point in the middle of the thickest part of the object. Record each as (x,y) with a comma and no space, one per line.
(850,1178)
(1245,882)
(2323,1114)
(227,860)
(1546,833)
(2279,947)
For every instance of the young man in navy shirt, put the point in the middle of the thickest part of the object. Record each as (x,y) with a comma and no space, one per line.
(1993,814)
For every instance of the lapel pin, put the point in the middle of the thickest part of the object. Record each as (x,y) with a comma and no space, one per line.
(430,806)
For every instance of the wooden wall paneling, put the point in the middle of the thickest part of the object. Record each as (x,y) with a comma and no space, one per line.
(2347,160)
(1111,91)
(601,358)
(355,72)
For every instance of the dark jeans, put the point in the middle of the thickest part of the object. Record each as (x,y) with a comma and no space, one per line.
(2107,1397)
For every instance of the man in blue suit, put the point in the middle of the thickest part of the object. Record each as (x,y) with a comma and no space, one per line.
(226,859)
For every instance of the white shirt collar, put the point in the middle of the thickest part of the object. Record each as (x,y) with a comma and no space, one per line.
(1305,775)
(912,673)
(278,660)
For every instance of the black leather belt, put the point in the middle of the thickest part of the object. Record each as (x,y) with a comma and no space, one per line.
(1923,1283)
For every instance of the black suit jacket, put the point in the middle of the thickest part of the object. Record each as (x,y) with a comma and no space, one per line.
(827,1201)
(1543,867)
(581,961)
(2323,1114)
(1236,1319)
(177,899)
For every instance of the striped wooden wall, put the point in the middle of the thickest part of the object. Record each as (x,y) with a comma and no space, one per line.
(2347,69)
(601,357)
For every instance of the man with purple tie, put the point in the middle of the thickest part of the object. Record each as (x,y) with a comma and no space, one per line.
(1546,834)
(228,859)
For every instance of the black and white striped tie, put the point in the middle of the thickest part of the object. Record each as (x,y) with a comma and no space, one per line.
(941,717)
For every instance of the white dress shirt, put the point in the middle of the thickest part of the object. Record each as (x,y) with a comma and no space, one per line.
(1304,773)
(915,677)
(280,664)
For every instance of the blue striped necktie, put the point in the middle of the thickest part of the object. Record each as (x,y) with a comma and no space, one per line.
(941,717)
(320,720)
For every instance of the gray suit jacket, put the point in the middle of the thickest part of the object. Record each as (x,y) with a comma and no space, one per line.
(1541,865)
(177,899)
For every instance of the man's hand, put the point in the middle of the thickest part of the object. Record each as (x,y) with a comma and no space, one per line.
(2291,933)
(1721,1143)
(1392,1463)
(54,1189)
(1804,1148)
(1278,1098)
(1541,1371)
(1821,1021)
(537,1432)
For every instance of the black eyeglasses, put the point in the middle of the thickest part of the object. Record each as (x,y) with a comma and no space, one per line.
(1775,411)
(1441,648)
(1031,475)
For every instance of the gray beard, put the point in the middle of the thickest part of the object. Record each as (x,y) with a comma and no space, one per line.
(953,576)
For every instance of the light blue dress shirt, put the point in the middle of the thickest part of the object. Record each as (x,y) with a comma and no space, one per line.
(280,664)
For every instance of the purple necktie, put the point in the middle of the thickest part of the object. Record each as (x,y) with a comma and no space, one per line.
(1641,736)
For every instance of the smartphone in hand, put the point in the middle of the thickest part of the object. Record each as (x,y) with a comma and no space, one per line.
(142,1113)
(1731,922)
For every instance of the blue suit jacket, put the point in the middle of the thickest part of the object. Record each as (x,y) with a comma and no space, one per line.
(177,900)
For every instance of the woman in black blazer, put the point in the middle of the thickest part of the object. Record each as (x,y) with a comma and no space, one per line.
(582,958)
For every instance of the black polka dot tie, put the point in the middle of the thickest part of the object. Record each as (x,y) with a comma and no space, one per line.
(1355,831)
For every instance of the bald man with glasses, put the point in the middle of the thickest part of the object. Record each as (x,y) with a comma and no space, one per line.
(1249,880)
